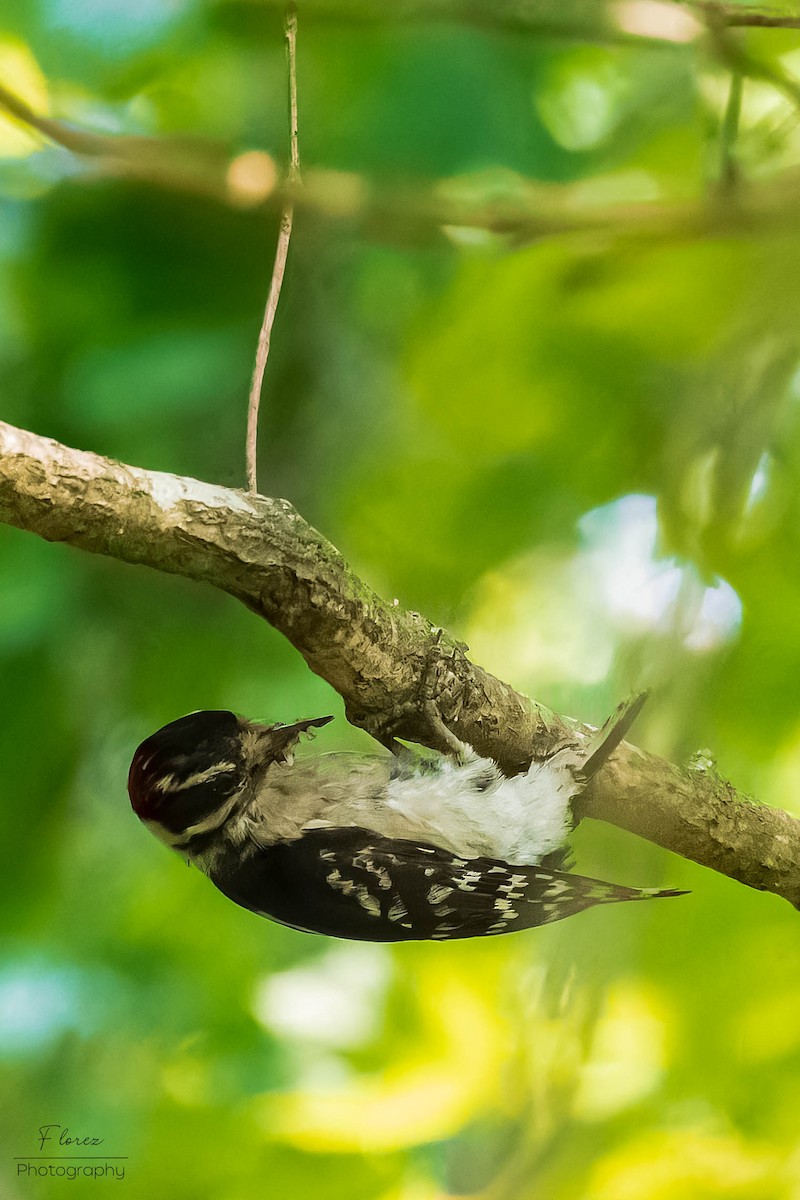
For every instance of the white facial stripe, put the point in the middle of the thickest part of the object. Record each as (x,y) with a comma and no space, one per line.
(213,821)
(167,784)
(163,835)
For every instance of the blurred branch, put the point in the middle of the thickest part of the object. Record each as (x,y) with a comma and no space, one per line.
(78,140)
(579,18)
(182,163)
(505,205)
(379,657)
(733,54)
(743,16)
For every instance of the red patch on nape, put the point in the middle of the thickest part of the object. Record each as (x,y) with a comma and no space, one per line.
(144,798)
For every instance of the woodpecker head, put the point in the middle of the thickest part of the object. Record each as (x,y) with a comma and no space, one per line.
(185,778)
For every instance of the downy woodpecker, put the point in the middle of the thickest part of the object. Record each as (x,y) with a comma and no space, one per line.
(378,848)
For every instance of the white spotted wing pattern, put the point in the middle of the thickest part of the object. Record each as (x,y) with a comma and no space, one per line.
(381,889)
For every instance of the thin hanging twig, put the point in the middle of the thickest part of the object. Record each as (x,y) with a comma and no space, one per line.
(282,250)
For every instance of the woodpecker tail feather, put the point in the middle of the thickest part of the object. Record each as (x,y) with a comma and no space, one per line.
(606,740)
(551,896)
(616,891)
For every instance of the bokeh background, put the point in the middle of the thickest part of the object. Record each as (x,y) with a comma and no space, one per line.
(579,452)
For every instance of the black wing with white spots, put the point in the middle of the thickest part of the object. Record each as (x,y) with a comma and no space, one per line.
(352,883)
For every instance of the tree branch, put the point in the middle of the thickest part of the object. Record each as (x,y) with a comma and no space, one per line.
(382,659)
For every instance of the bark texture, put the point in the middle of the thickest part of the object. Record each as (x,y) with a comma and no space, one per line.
(383,660)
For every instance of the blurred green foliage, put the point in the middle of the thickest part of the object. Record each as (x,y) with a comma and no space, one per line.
(581,454)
